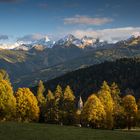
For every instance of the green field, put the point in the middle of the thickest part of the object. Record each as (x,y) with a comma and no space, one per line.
(26,131)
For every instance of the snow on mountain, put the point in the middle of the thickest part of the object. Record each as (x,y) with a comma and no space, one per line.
(21,45)
(70,40)
(88,41)
(80,43)
(8,46)
(66,41)
(46,42)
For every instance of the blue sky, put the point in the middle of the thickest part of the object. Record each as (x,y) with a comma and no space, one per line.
(26,18)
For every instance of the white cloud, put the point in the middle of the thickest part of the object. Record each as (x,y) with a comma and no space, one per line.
(31,37)
(86,20)
(111,35)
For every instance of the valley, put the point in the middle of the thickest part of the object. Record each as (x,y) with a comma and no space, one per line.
(26,68)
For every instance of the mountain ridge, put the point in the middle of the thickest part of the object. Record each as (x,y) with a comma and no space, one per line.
(26,68)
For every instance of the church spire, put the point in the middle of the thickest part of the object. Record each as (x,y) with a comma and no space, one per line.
(80,103)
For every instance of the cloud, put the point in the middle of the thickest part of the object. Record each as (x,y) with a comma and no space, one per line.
(4,37)
(111,35)
(31,37)
(86,20)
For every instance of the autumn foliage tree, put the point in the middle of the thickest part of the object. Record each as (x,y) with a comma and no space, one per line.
(118,110)
(130,108)
(27,105)
(41,100)
(138,113)
(4,75)
(68,106)
(58,95)
(40,93)
(7,101)
(105,97)
(50,115)
(93,112)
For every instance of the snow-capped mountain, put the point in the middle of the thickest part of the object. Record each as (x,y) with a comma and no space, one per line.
(80,43)
(68,40)
(46,42)
(131,41)
(88,41)
(42,43)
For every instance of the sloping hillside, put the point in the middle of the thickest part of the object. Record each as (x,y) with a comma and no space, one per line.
(125,72)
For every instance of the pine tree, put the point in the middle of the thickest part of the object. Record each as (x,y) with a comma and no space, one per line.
(27,105)
(68,106)
(7,101)
(130,108)
(93,112)
(105,96)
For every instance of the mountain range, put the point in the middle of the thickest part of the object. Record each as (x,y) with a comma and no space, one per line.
(45,59)
(47,43)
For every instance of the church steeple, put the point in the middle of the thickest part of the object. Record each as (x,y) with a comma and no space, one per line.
(80,104)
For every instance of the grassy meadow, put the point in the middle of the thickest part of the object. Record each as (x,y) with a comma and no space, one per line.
(32,131)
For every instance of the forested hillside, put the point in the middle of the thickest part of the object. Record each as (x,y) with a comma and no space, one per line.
(125,72)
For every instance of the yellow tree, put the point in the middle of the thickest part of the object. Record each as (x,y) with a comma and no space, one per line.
(7,101)
(68,106)
(58,103)
(4,75)
(40,92)
(138,114)
(130,108)
(105,96)
(118,110)
(27,105)
(41,100)
(93,112)
(58,92)
(50,115)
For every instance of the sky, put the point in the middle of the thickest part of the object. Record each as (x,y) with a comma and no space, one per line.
(27,20)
